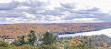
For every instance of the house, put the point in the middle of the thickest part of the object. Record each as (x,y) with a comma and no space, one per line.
(37,42)
(9,40)
(0,39)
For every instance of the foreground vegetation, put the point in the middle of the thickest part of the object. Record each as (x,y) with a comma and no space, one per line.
(28,41)
(85,42)
(51,41)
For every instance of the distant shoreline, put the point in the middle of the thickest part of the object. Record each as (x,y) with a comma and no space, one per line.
(100,32)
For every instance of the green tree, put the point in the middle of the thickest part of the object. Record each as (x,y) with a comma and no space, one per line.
(32,37)
(48,38)
(19,42)
(22,40)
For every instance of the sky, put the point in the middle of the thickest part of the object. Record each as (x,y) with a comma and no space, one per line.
(54,11)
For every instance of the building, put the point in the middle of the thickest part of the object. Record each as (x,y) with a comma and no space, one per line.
(37,42)
(9,40)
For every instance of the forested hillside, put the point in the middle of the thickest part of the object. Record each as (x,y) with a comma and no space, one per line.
(13,30)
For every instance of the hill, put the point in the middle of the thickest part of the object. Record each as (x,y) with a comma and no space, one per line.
(14,30)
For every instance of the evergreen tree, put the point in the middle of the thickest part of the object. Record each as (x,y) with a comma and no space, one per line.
(22,40)
(48,38)
(32,38)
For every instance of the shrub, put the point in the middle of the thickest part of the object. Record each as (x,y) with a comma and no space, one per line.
(47,47)
(3,44)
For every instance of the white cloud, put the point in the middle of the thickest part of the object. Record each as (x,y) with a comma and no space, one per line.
(88,20)
(23,7)
(104,5)
(4,1)
(55,11)
(29,16)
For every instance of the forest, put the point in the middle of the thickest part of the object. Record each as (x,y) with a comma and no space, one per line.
(15,30)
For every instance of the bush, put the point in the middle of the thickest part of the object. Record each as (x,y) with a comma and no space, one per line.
(47,47)
(3,44)
(4,48)
(81,46)
(27,47)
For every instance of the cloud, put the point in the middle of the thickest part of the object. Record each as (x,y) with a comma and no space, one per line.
(68,5)
(52,12)
(22,12)
(37,12)
(8,6)
(84,20)
(89,13)
(34,3)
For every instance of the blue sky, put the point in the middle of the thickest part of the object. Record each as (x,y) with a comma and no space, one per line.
(54,11)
